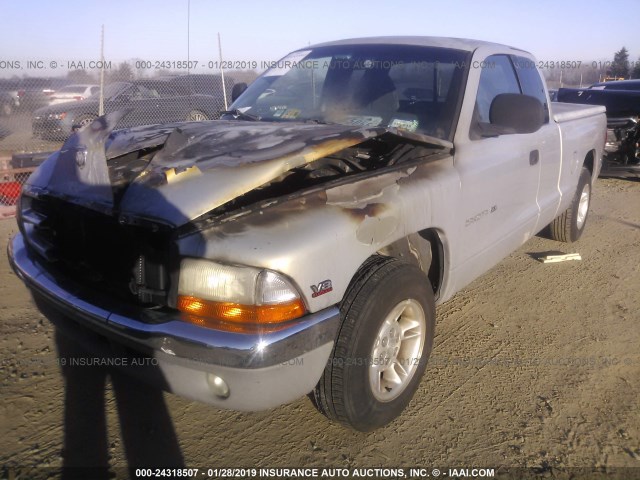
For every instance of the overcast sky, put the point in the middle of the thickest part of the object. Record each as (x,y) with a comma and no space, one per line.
(263,30)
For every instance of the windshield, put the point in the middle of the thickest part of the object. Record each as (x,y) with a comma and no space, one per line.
(408,87)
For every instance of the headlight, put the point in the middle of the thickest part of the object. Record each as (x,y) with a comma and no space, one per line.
(57,116)
(242,296)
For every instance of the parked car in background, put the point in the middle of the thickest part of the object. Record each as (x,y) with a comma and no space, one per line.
(622,147)
(617,85)
(7,104)
(31,93)
(9,98)
(619,103)
(72,93)
(35,93)
(202,84)
(4,132)
(150,101)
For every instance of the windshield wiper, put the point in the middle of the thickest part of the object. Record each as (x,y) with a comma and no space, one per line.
(240,115)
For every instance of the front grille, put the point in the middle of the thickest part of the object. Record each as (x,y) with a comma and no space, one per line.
(129,262)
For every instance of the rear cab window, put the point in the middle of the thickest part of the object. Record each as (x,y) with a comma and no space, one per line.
(531,82)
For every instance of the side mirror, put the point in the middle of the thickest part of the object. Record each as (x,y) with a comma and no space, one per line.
(237,90)
(123,98)
(516,113)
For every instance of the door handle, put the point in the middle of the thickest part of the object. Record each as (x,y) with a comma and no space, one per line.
(534,157)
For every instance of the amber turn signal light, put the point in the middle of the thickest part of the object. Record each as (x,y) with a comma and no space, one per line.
(243,314)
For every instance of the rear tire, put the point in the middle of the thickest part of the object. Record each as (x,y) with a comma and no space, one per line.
(197,116)
(568,227)
(84,120)
(381,352)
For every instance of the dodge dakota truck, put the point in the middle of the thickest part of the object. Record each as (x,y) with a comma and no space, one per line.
(299,244)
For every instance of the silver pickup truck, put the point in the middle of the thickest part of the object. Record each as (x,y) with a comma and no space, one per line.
(299,244)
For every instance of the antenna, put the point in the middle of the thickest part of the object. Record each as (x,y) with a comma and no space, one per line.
(224,88)
(101,104)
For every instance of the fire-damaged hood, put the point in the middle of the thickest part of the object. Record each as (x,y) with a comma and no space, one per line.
(195,168)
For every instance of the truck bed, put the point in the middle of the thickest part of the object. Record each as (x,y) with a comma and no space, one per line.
(563,112)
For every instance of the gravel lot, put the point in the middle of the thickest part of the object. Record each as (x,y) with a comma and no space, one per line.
(534,365)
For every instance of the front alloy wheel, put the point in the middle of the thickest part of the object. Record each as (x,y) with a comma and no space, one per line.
(381,351)
(397,350)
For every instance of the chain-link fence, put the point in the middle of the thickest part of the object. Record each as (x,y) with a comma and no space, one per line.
(38,114)
(11,182)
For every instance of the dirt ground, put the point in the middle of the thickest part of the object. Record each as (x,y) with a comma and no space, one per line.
(534,365)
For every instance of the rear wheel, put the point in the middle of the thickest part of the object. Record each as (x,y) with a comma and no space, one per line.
(381,352)
(84,120)
(568,227)
(197,116)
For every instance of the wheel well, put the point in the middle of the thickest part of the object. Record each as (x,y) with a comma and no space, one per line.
(423,249)
(436,268)
(588,162)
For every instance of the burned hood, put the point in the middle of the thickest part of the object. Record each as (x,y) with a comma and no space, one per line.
(203,166)
(217,144)
(196,168)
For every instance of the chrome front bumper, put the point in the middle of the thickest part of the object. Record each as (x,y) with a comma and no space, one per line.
(261,370)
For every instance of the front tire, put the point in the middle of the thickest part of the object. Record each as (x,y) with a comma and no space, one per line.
(568,227)
(381,352)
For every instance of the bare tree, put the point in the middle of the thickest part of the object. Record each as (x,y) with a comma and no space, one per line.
(636,70)
(124,73)
(80,76)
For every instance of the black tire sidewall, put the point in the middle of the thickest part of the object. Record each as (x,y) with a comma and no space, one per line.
(363,410)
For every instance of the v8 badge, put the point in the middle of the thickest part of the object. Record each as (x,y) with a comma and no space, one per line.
(321,288)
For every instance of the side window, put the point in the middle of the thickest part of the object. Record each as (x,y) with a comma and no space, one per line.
(497,77)
(531,82)
(143,92)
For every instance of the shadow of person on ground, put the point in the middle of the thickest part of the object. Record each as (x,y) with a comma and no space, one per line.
(146,428)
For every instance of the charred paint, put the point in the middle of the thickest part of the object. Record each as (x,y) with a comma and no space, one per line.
(214,145)
(370,190)
(234,159)
(80,169)
(187,169)
(375,230)
(370,210)
(372,204)
(272,215)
